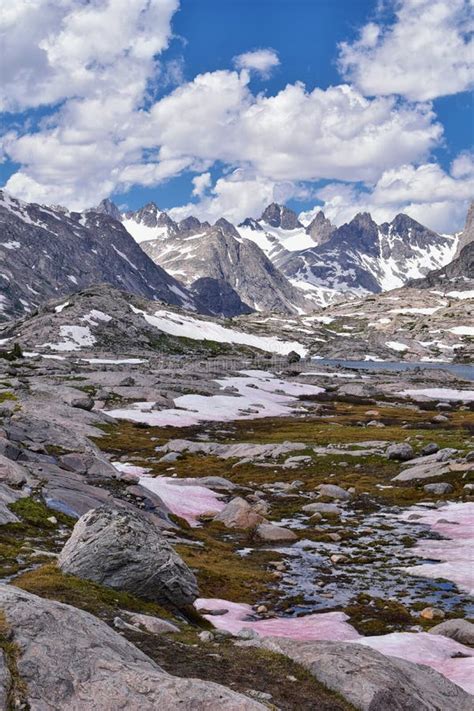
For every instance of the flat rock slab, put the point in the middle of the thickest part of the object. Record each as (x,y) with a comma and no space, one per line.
(370,680)
(71,661)
(241,450)
(423,471)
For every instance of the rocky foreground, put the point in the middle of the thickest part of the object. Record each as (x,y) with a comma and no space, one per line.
(232,532)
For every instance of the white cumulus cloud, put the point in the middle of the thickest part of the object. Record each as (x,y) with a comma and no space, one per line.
(235,196)
(427,52)
(56,50)
(261,61)
(427,193)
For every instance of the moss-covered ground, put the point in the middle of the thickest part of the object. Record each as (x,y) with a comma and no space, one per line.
(221,571)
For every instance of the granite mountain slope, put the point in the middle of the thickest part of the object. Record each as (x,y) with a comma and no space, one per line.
(357,257)
(217,262)
(313,263)
(50,252)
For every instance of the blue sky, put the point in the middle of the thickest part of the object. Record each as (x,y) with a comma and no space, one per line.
(198,105)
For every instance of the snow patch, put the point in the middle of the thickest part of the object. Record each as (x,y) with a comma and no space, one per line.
(197,329)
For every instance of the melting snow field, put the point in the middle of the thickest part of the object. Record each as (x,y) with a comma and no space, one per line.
(186,326)
(257,394)
(450,658)
(181,496)
(440,653)
(324,625)
(462,330)
(454,521)
(184,498)
(396,346)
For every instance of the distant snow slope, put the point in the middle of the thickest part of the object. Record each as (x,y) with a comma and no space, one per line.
(177,324)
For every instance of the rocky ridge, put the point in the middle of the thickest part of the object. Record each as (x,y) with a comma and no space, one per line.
(233,273)
(47,253)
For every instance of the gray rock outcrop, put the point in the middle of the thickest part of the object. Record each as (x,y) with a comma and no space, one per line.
(460,630)
(69,660)
(46,253)
(125,551)
(372,681)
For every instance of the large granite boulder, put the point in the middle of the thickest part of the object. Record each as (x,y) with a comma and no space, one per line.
(370,680)
(238,513)
(458,629)
(69,660)
(126,551)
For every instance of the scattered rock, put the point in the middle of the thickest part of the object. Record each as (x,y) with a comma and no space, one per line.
(339,558)
(432,613)
(125,551)
(239,514)
(154,625)
(276,534)
(294,462)
(247,634)
(322,509)
(169,458)
(430,448)
(460,630)
(13,473)
(439,419)
(333,492)
(400,452)
(439,488)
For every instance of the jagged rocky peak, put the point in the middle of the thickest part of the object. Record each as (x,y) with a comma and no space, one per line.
(277,215)
(191,224)
(467,235)
(148,215)
(252,224)
(361,233)
(108,207)
(227,228)
(320,228)
(409,229)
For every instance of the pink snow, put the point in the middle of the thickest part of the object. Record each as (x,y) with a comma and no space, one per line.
(186,500)
(318,626)
(453,660)
(258,391)
(440,653)
(455,521)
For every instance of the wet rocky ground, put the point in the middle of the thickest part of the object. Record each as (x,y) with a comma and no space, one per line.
(346,553)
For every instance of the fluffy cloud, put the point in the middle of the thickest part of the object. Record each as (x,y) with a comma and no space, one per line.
(261,61)
(427,52)
(94,145)
(236,196)
(426,193)
(55,50)
(201,183)
(95,62)
(294,135)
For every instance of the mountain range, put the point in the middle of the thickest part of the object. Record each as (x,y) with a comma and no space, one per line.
(271,264)
(318,261)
